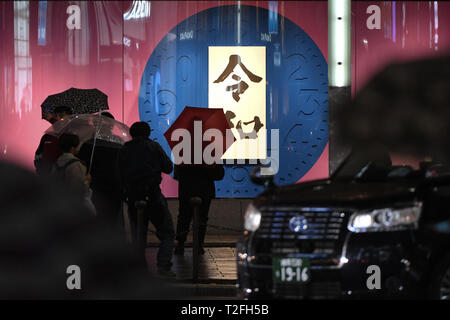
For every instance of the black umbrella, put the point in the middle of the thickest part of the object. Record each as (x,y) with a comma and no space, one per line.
(80,101)
(405,107)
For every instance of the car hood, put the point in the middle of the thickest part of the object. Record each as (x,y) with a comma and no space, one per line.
(339,193)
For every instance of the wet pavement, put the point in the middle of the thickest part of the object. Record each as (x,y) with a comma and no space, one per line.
(217,274)
(216,265)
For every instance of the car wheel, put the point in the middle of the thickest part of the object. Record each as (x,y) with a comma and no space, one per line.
(440,282)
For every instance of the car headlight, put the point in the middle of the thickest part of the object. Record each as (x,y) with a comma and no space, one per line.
(386,219)
(252,218)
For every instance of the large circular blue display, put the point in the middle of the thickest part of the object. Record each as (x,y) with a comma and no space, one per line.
(176,75)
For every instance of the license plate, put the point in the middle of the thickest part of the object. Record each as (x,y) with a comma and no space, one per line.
(291,269)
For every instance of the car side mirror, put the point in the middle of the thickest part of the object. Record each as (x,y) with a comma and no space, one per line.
(258,178)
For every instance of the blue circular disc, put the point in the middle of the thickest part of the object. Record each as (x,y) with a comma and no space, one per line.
(176,75)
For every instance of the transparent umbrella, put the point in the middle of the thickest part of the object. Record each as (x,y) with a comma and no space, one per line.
(92,126)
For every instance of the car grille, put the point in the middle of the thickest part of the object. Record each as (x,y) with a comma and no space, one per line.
(321,225)
(322,239)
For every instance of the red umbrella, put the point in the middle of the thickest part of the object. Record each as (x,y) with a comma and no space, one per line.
(210,118)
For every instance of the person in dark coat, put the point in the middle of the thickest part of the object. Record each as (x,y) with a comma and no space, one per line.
(48,150)
(195,181)
(141,162)
(105,185)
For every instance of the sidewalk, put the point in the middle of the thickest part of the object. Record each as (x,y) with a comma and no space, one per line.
(217,265)
(211,240)
(217,276)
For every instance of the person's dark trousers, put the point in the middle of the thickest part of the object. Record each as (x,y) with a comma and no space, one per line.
(186,215)
(157,212)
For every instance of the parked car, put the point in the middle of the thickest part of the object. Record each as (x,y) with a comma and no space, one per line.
(331,238)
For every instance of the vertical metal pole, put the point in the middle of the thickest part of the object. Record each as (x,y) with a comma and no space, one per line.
(195,203)
(141,241)
(339,73)
(339,43)
(121,218)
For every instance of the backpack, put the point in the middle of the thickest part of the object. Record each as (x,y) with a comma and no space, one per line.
(60,172)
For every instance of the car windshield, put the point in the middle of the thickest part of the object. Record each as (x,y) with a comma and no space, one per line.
(352,167)
(378,164)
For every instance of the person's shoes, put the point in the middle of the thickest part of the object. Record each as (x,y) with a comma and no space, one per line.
(166,273)
(179,249)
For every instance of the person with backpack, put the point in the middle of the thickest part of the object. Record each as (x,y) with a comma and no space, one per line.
(140,163)
(70,170)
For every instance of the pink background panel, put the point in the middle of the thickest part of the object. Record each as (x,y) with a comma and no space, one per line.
(95,57)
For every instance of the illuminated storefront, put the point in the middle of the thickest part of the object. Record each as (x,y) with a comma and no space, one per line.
(264,62)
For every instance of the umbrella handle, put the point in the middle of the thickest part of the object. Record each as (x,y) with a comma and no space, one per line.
(95,139)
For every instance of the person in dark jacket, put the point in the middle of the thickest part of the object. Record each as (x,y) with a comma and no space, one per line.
(48,150)
(105,185)
(195,181)
(141,162)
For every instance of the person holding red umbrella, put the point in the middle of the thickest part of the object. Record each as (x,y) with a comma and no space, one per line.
(195,181)
(195,174)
